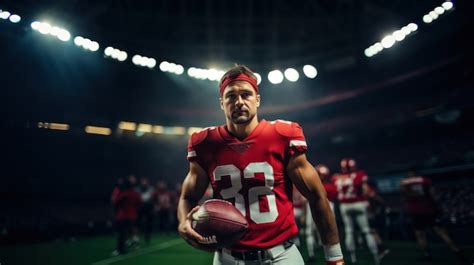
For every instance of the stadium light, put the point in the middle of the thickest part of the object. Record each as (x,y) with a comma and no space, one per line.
(97,130)
(16,18)
(413,27)
(439,10)
(388,42)
(59,126)
(275,77)
(114,53)
(127,126)
(447,5)
(291,75)
(259,78)
(310,71)
(4,14)
(427,19)
(398,35)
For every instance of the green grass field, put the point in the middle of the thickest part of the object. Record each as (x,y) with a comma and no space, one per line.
(170,250)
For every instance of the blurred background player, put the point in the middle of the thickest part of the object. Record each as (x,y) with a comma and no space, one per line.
(163,205)
(422,206)
(352,194)
(146,212)
(126,202)
(376,214)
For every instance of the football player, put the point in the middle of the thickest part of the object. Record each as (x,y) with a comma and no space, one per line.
(422,207)
(253,164)
(352,194)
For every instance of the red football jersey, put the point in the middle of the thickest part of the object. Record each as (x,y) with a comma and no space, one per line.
(127,204)
(349,186)
(417,194)
(331,191)
(252,175)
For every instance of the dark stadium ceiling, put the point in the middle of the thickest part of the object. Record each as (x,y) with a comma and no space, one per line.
(261,33)
(415,86)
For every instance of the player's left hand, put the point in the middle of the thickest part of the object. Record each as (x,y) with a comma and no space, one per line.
(190,235)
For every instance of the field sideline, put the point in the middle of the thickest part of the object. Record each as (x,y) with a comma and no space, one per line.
(171,250)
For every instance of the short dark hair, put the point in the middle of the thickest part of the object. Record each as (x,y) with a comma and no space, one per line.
(237,70)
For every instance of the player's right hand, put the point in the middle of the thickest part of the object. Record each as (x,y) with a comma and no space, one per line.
(192,237)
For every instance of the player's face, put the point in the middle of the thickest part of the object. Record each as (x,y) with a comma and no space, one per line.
(240,102)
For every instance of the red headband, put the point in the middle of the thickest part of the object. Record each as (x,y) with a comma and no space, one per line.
(240,77)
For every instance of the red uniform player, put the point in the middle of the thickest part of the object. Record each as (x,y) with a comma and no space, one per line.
(421,205)
(352,193)
(254,164)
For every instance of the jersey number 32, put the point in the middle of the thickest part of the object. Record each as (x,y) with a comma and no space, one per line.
(235,174)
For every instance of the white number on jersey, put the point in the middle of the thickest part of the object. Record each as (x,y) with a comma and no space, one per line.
(345,188)
(254,193)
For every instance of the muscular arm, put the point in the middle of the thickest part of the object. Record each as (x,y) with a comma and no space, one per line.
(306,179)
(193,189)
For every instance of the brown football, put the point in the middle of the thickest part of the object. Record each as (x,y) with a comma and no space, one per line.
(220,223)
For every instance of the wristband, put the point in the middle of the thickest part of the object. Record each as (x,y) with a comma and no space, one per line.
(333,253)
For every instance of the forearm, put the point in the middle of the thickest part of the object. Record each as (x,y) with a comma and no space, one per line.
(184,207)
(325,220)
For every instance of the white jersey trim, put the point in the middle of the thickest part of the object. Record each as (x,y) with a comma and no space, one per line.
(191,154)
(297,143)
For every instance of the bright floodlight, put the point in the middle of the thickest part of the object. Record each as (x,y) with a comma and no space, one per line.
(64,35)
(213,75)
(378,47)
(16,18)
(164,67)
(413,27)
(427,19)
(406,30)
(447,5)
(115,53)
(292,75)
(78,40)
(310,71)
(151,63)
(108,51)
(136,59)
(180,70)
(44,28)
(398,35)
(122,56)
(275,77)
(439,10)
(4,14)
(55,31)
(191,71)
(35,25)
(369,52)
(94,46)
(433,15)
(388,41)
(259,78)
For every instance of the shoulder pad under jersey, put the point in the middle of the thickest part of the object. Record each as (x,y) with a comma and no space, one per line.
(285,128)
(200,136)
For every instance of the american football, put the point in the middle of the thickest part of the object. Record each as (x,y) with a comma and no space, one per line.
(220,223)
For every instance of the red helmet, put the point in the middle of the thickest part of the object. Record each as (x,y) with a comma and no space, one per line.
(348,164)
(323,171)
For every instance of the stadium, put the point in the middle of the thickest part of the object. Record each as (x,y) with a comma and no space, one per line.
(100,93)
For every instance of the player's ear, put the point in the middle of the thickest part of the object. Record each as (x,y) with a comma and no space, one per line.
(221,103)
(258,100)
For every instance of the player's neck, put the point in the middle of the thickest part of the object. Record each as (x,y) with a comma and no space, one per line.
(241,131)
